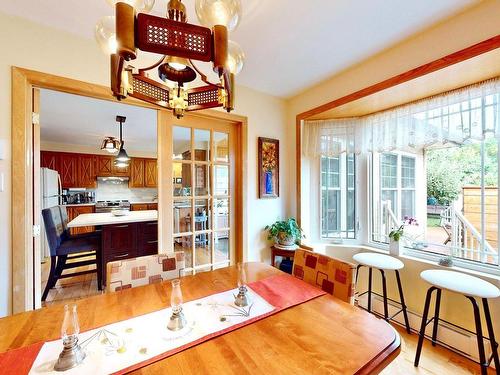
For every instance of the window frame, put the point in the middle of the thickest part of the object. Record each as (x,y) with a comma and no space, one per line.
(344,235)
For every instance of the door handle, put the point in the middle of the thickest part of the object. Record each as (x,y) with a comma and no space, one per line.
(155,241)
(121,256)
(121,226)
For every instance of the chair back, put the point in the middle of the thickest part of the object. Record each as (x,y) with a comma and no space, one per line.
(54,228)
(129,273)
(334,276)
(64,218)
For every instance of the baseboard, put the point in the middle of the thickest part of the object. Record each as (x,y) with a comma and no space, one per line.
(455,338)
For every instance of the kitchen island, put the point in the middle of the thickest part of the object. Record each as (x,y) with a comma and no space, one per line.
(131,235)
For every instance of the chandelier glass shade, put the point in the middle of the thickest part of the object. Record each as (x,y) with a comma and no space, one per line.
(105,34)
(143,6)
(180,47)
(219,12)
(110,144)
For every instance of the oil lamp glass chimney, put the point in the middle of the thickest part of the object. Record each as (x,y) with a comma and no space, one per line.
(72,354)
(241,299)
(177,320)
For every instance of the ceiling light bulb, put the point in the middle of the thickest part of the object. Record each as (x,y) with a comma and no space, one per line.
(177,66)
(219,12)
(235,57)
(105,34)
(140,6)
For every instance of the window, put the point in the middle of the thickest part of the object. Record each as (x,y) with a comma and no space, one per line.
(338,208)
(435,160)
(393,194)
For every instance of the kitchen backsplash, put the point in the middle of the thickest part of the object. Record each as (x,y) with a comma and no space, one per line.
(107,190)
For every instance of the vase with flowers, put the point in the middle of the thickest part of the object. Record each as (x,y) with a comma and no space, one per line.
(396,235)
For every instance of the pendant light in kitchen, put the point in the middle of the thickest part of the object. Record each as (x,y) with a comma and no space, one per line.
(122,159)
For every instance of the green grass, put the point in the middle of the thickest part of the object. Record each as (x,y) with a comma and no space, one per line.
(433,221)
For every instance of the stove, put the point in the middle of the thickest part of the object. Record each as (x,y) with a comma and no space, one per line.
(108,206)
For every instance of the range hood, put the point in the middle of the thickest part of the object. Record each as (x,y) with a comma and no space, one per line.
(113,179)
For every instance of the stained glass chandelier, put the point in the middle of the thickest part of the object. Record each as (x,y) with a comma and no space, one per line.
(181,45)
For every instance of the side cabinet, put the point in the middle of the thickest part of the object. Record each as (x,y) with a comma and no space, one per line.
(74,211)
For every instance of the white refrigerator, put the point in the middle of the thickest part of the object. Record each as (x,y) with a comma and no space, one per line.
(51,190)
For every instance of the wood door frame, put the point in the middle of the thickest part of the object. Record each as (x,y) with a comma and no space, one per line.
(433,66)
(23,81)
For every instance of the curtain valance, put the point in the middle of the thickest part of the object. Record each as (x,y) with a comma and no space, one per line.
(469,113)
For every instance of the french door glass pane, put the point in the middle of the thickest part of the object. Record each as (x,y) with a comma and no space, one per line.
(181,143)
(182,216)
(184,243)
(221,182)
(221,147)
(182,179)
(201,145)
(221,213)
(202,181)
(221,240)
(202,214)
(203,248)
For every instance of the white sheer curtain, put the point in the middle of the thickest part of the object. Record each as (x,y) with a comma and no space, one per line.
(454,117)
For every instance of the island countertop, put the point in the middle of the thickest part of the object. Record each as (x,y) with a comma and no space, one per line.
(107,218)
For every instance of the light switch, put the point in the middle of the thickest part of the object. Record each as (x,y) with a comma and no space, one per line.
(2,182)
(3,149)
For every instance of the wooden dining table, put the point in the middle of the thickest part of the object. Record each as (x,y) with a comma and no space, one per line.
(321,336)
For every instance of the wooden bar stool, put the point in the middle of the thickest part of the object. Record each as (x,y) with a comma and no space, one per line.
(382,263)
(471,287)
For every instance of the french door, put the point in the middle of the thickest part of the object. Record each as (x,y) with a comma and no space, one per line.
(203,186)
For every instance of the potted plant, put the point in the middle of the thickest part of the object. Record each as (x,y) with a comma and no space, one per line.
(396,234)
(284,232)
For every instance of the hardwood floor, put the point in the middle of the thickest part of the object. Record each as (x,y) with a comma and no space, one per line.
(70,289)
(433,361)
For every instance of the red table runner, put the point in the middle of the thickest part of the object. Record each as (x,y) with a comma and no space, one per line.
(281,291)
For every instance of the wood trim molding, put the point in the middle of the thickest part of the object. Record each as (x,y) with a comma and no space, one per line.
(448,60)
(23,81)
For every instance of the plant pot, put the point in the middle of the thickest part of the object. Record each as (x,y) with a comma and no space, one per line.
(395,247)
(286,240)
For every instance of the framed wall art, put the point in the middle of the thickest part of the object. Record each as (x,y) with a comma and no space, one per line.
(269,168)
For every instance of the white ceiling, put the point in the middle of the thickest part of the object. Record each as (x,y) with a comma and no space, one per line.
(289,45)
(78,120)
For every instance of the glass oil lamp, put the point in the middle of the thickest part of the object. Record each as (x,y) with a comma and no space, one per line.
(72,354)
(241,298)
(177,320)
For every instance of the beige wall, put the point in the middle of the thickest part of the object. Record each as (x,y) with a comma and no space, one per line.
(30,45)
(473,26)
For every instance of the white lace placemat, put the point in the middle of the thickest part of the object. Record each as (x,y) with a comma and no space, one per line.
(118,346)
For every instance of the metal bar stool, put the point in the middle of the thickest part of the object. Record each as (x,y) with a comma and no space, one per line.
(471,287)
(382,263)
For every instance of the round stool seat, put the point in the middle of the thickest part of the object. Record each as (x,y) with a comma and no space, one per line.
(460,283)
(379,261)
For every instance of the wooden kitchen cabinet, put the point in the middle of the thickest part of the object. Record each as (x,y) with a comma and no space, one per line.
(139,207)
(120,171)
(86,171)
(150,173)
(74,211)
(49,159)
(152,206)
(136,173)
(68,169)
(104,166)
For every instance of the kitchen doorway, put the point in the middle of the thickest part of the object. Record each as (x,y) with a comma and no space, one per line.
(25,140)
(79,143)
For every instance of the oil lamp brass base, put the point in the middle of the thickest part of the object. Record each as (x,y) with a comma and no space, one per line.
(177,321)
(71,356)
